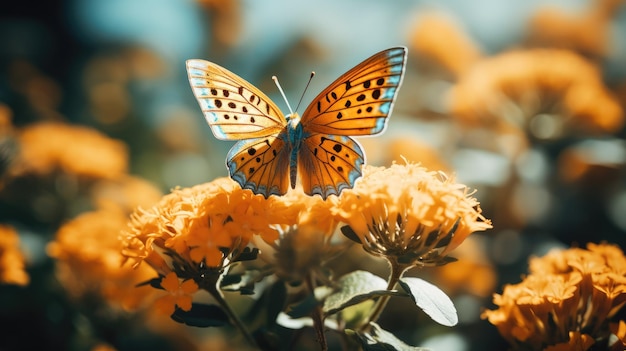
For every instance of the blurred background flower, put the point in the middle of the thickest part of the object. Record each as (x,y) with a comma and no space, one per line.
(523,101)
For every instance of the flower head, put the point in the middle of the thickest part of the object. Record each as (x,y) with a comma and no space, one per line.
(88,258)
(540,82)
(203,227)
(409,214)
(44,148)
(567,299)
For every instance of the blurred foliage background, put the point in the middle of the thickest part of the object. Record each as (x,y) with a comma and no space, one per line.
(523,101)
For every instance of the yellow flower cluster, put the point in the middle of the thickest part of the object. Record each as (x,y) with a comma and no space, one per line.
(525,76)
(409,213)
(88,257)
(567,299)
(83,151)
(11,258)
(197,224)
(403,212)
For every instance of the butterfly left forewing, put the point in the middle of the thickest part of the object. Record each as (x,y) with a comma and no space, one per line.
(358,102)
(234,108)
(328,164)
(261,165)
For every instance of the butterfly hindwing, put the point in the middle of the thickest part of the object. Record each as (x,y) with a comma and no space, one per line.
(261,165)
(358,102)
(329,164)
(234,108)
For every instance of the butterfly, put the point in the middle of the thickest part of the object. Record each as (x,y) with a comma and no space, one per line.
(272,147)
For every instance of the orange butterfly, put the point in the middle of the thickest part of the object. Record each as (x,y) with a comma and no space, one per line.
(272,147)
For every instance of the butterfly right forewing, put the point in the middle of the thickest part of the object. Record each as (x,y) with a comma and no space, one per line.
(234,108)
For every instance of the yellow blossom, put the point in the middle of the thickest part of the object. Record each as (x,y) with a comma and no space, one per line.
(567,291)
(88,258)
(539,81)
(11,258)
(205,225)
(410,214)
(456,53)
(77,150)
(179,294)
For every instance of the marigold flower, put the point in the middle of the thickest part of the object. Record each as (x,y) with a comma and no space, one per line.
(439,39)
(409,214)
(535,80)
(74,149)
(587,32)
(88,258)
(205,226)
(179,294)
(11,258)
(567,292)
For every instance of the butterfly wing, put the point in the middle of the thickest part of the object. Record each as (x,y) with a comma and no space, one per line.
(261,164)
(329,163)
(234,108)
(359,102)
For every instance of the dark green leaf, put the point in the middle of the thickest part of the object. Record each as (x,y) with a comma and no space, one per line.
(434,302)
(354,288)
(154,282)
(304,308)
(201,315)
(248,254)
(243,283)
(381,340)
(277,298)
(350,234)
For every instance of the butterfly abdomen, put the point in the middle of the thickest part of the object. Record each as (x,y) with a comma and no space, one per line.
(295,135)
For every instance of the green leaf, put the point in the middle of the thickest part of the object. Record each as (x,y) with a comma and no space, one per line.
(154,282)
(354,288)
(201,316)
(434,302)
(379,339)
(350,234)
(304,308)
(243,282)
(248,254)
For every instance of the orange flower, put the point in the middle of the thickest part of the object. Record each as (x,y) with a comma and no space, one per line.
(179,294)
(11,258)
(517,86)
(408,214)
(438,38)
(88,258)
(566,292)
(587,32)
(77,150)
(206,225)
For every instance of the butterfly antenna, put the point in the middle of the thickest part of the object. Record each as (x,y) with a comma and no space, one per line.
(282,93)
(305,89)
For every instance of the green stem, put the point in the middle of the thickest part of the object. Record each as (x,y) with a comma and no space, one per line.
(396,273)
(318,319)
(217,294)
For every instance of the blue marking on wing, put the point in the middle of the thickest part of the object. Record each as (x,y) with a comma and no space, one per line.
(384,108)
(206,104)
(196,81)
(217,130)
(389,93)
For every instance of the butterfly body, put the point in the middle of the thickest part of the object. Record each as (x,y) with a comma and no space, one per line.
(274,149)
